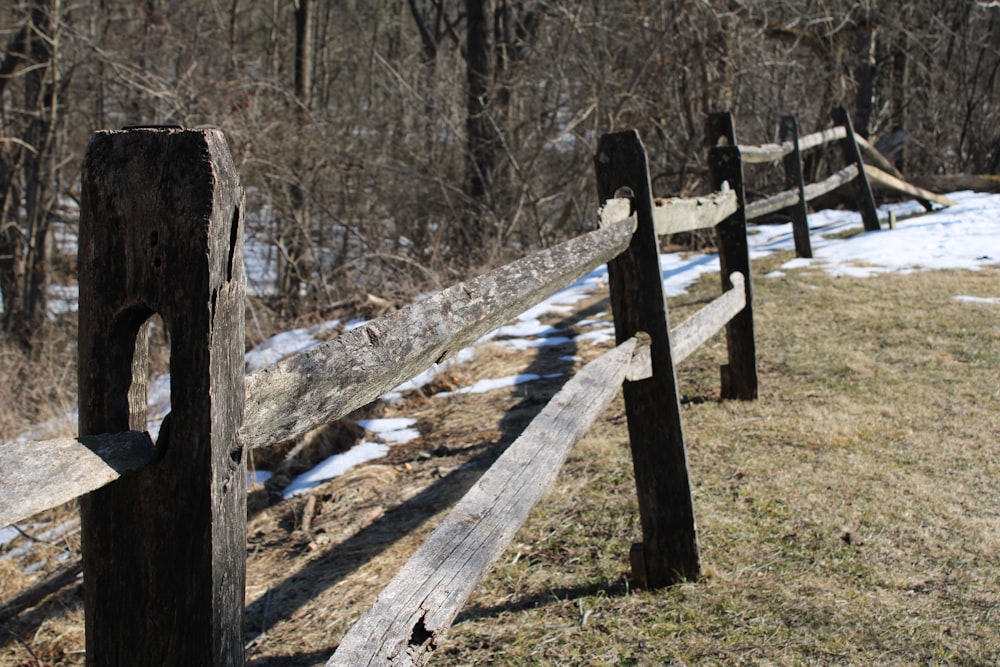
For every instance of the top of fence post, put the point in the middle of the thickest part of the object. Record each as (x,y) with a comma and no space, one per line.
(164,549)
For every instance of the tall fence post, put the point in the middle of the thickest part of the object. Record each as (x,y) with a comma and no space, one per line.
(739,376)
(164,549)
(852,155)
(669,551)
(794,179)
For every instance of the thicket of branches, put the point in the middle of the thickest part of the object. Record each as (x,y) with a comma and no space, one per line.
(391,146)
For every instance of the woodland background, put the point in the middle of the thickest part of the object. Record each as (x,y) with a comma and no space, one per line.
(393,146)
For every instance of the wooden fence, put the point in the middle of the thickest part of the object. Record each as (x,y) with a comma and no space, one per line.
(798,193)
(164,523)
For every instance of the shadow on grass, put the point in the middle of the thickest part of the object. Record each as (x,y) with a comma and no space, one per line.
(291,594)
(551,596)
(294,592)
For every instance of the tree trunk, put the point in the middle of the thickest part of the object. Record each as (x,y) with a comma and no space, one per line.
(295,240)
(480,129)
(865,76)
(24,241)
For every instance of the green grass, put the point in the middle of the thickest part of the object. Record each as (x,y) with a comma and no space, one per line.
(848,516)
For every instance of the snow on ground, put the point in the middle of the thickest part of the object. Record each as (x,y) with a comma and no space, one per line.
(492,384)
(32,536)
(965,236)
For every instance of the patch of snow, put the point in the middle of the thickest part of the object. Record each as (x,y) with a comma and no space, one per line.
(591,323)
(335,466)
(521,344)
(8,534)
(258,477)
(278,347)
(979,299)
(50,535)
(393,431)
(598,336)
(463,356)
(62,300)
(483,386)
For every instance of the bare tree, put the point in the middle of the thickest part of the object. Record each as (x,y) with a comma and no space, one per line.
(29,166)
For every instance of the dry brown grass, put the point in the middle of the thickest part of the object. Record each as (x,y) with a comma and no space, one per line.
(848,516)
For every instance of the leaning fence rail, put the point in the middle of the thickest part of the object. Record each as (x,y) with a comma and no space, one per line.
(798,193)
(161,204)
(173,510)
(324,383)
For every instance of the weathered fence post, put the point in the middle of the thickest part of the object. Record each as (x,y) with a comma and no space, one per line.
(852,155)
(164,549)
(739,376)
(669,551)
(794,179)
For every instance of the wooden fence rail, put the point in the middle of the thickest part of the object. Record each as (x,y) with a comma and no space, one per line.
(163,523)
(794,199)
(327,382)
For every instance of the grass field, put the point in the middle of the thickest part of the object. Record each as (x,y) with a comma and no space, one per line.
(850,516)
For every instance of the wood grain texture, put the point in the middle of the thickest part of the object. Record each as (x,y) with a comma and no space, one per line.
(652,405)
(329,381)
(407,621)
(164,548)
(39,475)
(674,215)
(697,329)
(59,470)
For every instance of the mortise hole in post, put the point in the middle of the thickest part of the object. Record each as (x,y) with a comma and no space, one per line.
(149,392)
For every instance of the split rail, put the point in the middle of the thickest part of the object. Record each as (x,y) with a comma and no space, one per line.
(164,523)
(856,171)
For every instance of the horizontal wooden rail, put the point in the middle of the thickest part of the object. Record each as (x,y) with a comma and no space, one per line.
(890,181)
(330,380)
(771,152)
(44,474)
(59,470)
(787,198)
(39,475)
(674,215)
(695,330)
(406,623)
(323,384)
